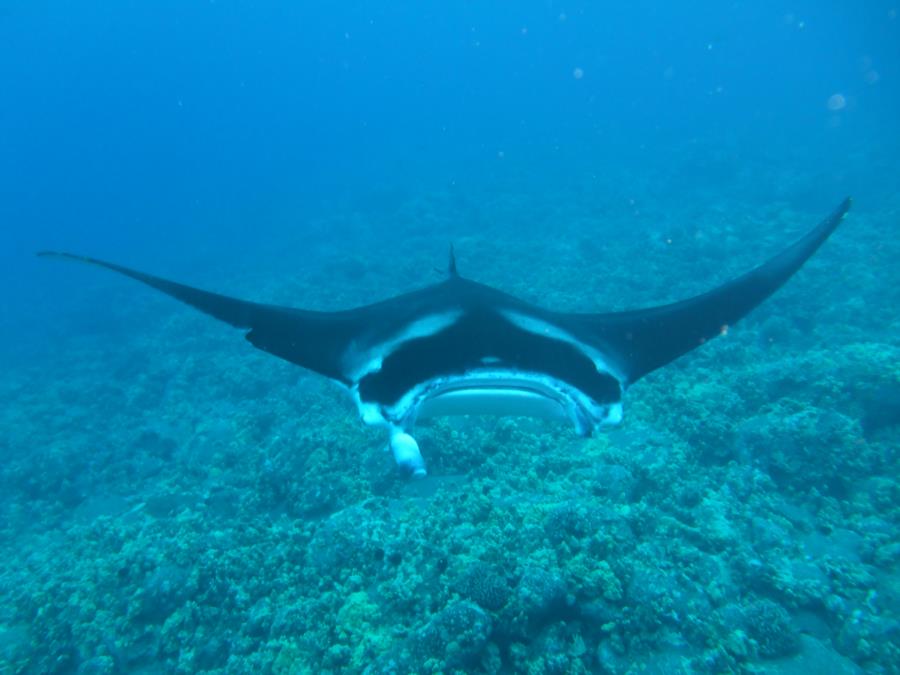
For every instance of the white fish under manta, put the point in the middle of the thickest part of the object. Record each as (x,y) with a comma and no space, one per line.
(460,347)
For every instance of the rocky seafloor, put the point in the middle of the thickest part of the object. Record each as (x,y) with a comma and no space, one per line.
(174,501)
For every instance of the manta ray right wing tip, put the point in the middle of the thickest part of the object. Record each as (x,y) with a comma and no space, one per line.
(650,338)
(844,207)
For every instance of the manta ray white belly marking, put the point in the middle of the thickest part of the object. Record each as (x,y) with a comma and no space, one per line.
(539,327)
(360,361)
(461,347)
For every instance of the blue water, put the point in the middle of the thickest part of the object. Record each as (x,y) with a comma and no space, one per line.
(324,155)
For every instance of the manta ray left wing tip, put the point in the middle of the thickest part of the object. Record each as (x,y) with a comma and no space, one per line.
(57,254)
(238,313)
(65,255)
(313,340)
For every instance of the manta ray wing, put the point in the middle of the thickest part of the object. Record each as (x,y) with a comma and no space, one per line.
(647,339)
(314,340)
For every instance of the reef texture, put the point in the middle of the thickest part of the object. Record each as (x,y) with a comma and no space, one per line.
(182,503)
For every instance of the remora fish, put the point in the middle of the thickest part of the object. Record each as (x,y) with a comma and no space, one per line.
(460,347)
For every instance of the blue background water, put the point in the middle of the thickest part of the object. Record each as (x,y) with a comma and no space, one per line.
(150,131)
(161,482)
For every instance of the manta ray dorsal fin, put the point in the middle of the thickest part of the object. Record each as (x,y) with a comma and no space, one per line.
(451,264)
(314,340)
(647,339)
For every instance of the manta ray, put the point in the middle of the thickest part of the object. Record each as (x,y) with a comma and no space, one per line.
(461,347)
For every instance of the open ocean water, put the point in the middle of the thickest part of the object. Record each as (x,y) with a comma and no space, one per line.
(174,501)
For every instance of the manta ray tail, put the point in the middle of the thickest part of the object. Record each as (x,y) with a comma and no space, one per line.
(645,340)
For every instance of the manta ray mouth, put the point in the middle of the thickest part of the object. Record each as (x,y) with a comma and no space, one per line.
(495,397)
(505,392)
(487,391)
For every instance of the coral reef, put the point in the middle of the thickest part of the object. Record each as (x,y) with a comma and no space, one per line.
(183,504)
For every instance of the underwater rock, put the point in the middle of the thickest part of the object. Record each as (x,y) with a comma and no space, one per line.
(651,591)
(164,591)
(717,530)
(614,481)
(569,519)
(142,650)
(155,444)
(14,641)
(814,657)
(286,621)
(557,651)
(98,665)
(768,532)
(457,635)
(888,556)
(541,594)
(839,544)
(575,521)
(360,626)
(598,612)
(483,584)
(100,506)
(881,408)
(350,541)
(771,627)
(260,619)
(812,448)
(212,654)
(223,502)
(169,504)
(866,636)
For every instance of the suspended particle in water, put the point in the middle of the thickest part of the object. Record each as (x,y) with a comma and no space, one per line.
(836,102)
(578,73)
